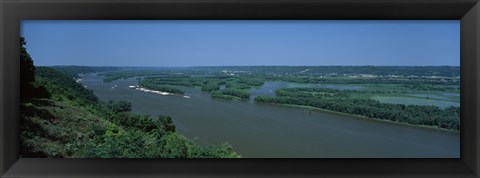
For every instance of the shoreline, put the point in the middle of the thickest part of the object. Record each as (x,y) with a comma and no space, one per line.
(148,90)
(364,117)
(309,107)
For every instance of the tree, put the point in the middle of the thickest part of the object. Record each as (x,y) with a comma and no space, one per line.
(167,122)
(176,146)
(120,106)
(27,71)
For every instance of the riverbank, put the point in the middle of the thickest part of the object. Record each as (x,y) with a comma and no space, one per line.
(364,117)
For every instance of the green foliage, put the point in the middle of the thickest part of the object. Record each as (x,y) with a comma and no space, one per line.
(75,71)
(162,125)
(340,101)
(56,129)
(222,151)
(178,80)
(219,95)
(116,143)
(62,87)
(27,72)
(236,92)
(230,94)
(210,87)
(206,81)
(167,123)
(120,106)
(158,87)
(176,146)
(124,74)
(59,129)
(445,71)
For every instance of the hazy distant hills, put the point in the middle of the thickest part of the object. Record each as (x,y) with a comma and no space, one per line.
(443,71)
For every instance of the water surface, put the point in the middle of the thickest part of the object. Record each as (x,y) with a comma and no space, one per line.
(274,131)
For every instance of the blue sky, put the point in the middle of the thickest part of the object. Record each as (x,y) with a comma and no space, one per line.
(245,43)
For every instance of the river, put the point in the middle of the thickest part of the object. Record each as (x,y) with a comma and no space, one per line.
(274,131)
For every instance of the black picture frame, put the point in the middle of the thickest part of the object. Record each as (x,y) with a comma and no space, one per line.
(13,11)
